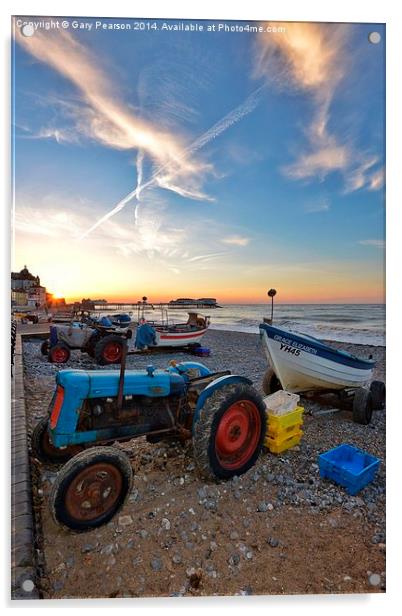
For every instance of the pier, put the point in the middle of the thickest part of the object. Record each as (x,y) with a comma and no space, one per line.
(157,306)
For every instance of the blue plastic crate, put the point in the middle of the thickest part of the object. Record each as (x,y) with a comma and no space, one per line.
(348,466)
(202,352)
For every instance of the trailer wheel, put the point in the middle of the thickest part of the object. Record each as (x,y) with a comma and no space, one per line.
(91,488)
(59,353)
(44,451)
(109,350)
(229,433)
(362,406)
(377,389)
(270,382)
(44,347)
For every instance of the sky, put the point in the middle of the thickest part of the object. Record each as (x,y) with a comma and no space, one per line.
(170,163)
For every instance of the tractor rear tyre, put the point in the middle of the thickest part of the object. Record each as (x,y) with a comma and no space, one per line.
(229,432)
(362,406)
(91,344)
(91,488)
(59,353)
(44,451)
(44,347)
(377,389)
(109,350)
(270,382)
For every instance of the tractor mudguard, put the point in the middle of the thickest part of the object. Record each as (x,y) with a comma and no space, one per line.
(184,366)
(221,381)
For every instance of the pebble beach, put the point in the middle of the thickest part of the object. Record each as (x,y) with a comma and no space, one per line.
(278,529)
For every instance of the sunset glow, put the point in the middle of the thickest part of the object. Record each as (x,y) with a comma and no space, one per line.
(169,176)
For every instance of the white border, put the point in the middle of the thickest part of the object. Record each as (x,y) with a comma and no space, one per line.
(308,10)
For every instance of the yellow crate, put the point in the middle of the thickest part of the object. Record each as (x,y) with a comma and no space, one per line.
(279,422)
(280,434)
(275,446)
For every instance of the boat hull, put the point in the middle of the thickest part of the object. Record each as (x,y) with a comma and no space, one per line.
(304,364)
(178,339)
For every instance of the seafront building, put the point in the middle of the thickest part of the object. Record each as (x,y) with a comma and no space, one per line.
(27,292)
(26,289)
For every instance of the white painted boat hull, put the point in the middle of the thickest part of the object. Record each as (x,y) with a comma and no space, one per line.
(301,371)
(178,339)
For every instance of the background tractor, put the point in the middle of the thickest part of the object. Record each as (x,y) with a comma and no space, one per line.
(102,342)
(222,414)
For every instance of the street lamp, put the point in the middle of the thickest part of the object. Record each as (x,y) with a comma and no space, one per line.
(271,293)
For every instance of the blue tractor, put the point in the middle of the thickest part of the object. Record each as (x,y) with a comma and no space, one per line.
(221,412)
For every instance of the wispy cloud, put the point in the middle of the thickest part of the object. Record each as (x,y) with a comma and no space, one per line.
(317,206)
(313,58)
(59,134)
(376,180)
(236,240)
(305,54)
(318,162)
(374,243)
(154,239)
(104,116)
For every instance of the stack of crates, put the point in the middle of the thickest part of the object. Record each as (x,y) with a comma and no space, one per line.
(285,418)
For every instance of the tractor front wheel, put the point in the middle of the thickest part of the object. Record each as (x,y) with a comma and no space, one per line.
(44,451)
(44,347)
(91,488)
(109,350)
(59,353)
(229,432)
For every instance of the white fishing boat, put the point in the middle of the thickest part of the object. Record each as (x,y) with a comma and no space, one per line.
(302,363)
(152,334)
(182,334)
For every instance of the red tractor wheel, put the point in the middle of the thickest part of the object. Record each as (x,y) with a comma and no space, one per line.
(237,434)
(59,353)
(91,488)
(109,350)
(229,432)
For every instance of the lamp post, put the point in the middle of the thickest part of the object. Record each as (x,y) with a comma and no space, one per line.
(271,293)
(141,306)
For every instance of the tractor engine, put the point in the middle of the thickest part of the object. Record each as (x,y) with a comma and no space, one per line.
(143,412)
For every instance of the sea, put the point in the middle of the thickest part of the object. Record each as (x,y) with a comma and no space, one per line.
(355,323)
